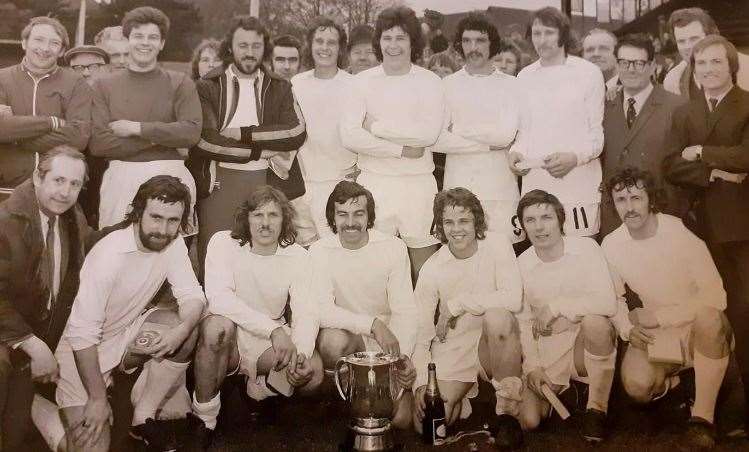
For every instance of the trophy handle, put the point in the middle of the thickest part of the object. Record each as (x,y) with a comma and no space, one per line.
(340,363)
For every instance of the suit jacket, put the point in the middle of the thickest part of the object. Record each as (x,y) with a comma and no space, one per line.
(721,207)
(643,146)
(23,296)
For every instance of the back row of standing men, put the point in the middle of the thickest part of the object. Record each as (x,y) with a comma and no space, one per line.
(242,125)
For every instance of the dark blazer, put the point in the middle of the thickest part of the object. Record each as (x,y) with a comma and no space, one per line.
(23,296)
(721,207)
(642,146)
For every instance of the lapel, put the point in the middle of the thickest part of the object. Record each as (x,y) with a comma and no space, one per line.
(699,113)
(651,105)
(724,107)
(617,120)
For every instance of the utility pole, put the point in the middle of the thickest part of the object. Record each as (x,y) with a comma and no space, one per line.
(80,32)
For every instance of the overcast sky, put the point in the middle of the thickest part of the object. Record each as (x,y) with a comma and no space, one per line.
(457,6)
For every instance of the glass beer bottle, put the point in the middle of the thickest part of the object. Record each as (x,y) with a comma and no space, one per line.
(434,426)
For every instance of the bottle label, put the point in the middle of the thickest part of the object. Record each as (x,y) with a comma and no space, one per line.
(439,431)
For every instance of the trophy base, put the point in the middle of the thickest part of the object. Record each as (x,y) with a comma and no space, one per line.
(361,439)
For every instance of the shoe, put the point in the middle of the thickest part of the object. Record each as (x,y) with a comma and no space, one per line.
(158,435)
(594,425)
(194,435)
(507,433)
(700,434)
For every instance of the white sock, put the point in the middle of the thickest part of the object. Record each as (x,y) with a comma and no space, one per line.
(160,380)
(708,377)
(46,418)
(600,371)
(207,411)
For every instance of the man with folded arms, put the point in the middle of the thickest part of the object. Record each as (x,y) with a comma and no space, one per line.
(671,271)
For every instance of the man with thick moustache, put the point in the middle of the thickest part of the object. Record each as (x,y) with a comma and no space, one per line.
(483,116)
(709,153)
(42,234)
(41,104)
(636,124)
(361,281)
(249,115)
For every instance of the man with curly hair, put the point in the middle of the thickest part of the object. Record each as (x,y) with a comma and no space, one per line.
(473,285)
(392,115)
(253,274)
(687,304)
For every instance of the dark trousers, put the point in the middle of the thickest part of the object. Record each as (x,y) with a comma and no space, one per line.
(732,260)
(16,395)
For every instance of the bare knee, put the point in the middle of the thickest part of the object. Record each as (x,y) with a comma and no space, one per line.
(217,333)
(500,323)
(333,343)
(599,334)
(710,324)
(529,420)
(639,379)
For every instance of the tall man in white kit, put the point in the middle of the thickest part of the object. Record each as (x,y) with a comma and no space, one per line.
(361,281)
(483,114)
(393,112)
(323,159)
(561,132)
(474,283)
(682,294)
(119,278)
(253,274)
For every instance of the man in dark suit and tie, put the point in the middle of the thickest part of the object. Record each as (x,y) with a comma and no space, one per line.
(636,121)
(42,232)
(710,151)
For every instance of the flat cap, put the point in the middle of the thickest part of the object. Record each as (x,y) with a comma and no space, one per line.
(86,49)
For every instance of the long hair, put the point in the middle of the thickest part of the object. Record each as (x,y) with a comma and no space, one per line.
(247,23)
(167,189)
(552,17)
(632,176)
(321,23)
(458,197)
(198,52)
(477,22)
(405,18)
(344,191)
(731,53)
(261,196)
(535,197)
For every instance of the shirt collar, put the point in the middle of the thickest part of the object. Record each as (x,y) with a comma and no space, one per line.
(719,97)
(258,75)
(640,98)
(24,66)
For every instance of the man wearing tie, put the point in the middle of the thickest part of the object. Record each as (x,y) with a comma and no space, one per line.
(709,151)
(42,232)
(636,121)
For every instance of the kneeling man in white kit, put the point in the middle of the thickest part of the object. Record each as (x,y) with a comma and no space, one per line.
(683,299)
(565,327)
(475,281)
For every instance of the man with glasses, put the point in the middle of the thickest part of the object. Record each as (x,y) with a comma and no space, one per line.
(636,121)
(41,104)
(86,60)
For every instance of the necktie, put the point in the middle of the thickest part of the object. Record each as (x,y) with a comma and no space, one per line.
(713,104)
(50,257)
(631,113)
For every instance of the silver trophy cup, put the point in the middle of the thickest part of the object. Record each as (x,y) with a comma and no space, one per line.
(366,380)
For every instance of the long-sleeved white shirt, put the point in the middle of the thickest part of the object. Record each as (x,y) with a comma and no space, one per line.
(356,286)
(488,279)
(482,111)
(563,113)
(252,290)
(577,284)
(118,281)
(323,157)
(672,272)
(409,111)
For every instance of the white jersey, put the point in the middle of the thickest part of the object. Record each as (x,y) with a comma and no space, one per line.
(407,109)
(563,113)
(322,157)
(482,112)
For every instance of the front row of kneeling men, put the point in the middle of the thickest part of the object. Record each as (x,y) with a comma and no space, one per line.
(547,318)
